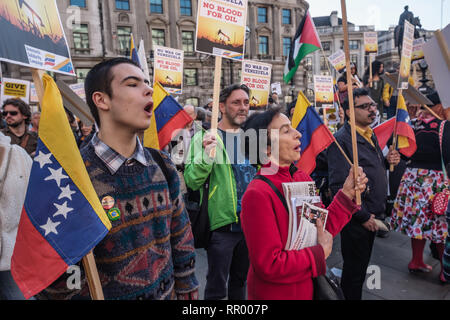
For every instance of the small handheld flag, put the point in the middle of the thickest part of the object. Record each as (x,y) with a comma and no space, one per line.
(315,135)
(62,219)
(169,116)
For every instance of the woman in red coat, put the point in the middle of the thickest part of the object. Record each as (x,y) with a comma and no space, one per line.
(276,273)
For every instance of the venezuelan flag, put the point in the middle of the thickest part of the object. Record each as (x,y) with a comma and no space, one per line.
(62,219)
(133,52)
(406,137)
(169,117)
(315,135)
(384,132)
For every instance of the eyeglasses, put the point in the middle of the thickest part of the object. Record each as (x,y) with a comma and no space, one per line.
(13,113)
(366,106)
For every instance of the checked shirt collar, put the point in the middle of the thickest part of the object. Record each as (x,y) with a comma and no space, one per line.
(114,160)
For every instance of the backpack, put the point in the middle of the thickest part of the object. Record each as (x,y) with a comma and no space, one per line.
(198,212)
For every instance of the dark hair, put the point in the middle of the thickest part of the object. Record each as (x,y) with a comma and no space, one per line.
(225,93)
(21,105)
(376,64)
(99,78)
(258,121)
(289,108)
(358,92)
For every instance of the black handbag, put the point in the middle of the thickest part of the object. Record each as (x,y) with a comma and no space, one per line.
(326,287)
(198,215)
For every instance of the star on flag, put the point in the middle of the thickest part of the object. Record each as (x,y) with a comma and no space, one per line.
(63,210)
(50,227)
(56,175)
(43,159)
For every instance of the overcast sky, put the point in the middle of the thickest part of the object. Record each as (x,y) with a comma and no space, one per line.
(383,13)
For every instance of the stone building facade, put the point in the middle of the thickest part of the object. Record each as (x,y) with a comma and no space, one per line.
(100,29)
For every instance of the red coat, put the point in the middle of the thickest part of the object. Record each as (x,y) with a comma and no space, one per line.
(277,274)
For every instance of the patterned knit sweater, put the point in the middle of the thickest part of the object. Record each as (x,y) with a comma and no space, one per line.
(149,252)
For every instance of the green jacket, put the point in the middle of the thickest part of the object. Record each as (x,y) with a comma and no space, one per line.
(222,199)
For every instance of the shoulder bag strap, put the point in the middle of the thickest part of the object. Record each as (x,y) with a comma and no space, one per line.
(24,142)
(160,161)
(275,189)
(441,134)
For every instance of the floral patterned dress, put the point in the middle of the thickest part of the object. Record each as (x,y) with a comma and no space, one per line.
(412,212)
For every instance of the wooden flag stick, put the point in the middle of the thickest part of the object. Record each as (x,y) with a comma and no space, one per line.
(37,79)
(95,287)
(339,104)
(394,137)
(324,111)
(216,95)
(370,71)
(431,111)
(350,99)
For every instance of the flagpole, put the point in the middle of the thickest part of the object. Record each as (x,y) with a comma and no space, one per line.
(394,137)
(38,85)
(95,287)
(350,100)
(431,111)
(339,103)
(94,284)
(216,94)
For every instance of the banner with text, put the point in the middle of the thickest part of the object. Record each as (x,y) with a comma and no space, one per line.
(405,62)
(256,76)
(370,42)
(168,69)
(78,88)
(417,52)
(15,88)
(31,35)
(323,92)
(337,60)
(221,26)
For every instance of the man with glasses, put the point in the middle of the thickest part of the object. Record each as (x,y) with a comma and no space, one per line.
(358,235)
(17,115)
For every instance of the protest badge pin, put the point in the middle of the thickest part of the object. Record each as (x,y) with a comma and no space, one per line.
(108,202)
(113,214)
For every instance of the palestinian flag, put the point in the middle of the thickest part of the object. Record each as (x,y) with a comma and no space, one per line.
(305,41)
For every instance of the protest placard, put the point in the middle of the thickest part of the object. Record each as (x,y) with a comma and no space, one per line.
(370,42)
(15,88)
(35,37)
(337,60)
(276,88)
(437,58)
(256,76)
(221,26)
(417,52)
(405,62)
(323,92)
(78,88)
(168,69)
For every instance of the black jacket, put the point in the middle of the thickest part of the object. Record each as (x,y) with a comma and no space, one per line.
(374,165)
